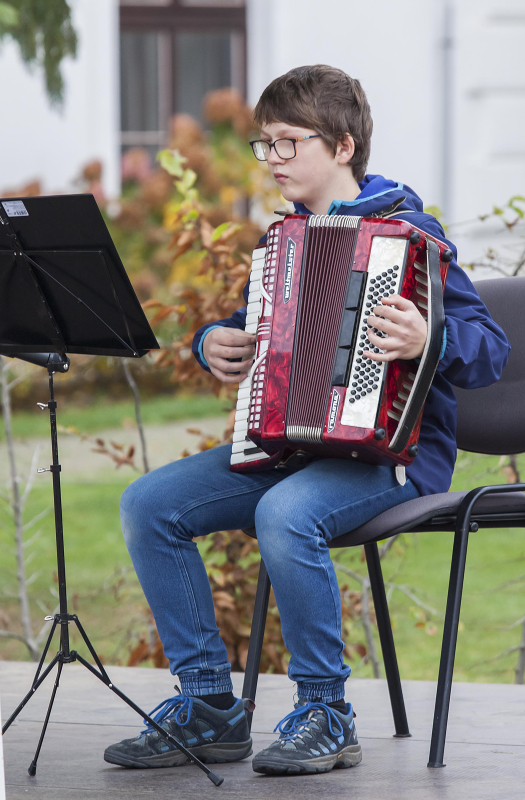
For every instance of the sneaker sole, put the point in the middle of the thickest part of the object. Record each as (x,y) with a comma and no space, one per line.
(214,753)
(351,756)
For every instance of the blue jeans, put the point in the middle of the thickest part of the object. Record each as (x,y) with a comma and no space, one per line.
(295,514)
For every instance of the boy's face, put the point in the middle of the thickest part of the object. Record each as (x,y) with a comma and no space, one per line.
(303,179)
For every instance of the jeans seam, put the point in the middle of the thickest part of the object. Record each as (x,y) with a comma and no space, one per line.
(195,610)
(178,554)
(341,659)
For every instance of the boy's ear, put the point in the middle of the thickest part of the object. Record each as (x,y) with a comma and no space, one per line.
(345,149)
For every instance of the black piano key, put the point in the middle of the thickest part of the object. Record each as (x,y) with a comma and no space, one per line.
(340,367)
(346,334)
(355,287)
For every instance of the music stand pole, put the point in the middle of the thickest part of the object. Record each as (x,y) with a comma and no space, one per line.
(65,655)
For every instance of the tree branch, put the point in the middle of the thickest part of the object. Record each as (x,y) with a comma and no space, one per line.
(16,505)
(138,414)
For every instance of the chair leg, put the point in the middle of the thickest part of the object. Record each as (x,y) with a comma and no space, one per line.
(387,640)
(448,647)
(253,660)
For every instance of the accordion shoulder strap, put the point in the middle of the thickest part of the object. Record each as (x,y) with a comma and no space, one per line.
(430,358)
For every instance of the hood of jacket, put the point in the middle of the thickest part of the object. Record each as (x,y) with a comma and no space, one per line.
(379,194)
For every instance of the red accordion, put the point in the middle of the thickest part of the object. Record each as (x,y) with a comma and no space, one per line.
(312,288)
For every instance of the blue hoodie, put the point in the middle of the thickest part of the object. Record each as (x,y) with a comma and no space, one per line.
(476,348)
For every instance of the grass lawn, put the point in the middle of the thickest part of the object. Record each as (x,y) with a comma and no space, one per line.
(104,591)
(101,415)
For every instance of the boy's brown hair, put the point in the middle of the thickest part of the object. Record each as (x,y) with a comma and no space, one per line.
(326,100)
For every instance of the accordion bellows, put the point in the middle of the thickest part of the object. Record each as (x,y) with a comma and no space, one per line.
(312,288)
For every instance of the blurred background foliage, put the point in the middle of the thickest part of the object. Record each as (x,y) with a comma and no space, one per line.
(185,235)
(184,229)
(45,36)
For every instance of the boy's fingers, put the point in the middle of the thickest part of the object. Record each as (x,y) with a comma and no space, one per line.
(232,337)
(401,303)
(393,314)
(232,366)
(222,351)
(382,324)
(390,356)
(225,378)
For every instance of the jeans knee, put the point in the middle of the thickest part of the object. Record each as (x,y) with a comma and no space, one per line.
(134,510)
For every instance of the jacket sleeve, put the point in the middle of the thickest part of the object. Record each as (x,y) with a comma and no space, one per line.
(237,320)
(476,348)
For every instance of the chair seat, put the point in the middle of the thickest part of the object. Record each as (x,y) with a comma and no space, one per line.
(436,512)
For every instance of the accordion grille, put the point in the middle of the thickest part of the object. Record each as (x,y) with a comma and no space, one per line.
(326,266)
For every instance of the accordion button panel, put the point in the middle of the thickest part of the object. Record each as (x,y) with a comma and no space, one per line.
(365,388)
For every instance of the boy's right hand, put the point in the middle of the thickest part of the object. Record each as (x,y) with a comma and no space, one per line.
(221,345)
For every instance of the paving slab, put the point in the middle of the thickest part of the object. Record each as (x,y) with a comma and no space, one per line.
(485,752)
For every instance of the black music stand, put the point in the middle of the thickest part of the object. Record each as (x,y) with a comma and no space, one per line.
(63,289)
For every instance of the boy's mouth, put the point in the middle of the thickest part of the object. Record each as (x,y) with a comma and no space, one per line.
(279,177)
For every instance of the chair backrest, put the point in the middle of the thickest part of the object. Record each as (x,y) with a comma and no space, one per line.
(492,419)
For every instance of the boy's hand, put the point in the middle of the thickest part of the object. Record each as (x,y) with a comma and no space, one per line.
(223,344)
(405,326)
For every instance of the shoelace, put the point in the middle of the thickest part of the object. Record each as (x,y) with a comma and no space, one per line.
(180,704)
(294,724)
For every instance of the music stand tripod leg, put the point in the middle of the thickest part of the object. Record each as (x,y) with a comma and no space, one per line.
(37,680)
(65,655)
(32,767)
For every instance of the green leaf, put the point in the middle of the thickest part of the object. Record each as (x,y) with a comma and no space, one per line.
(172,161)
(188,178)
(217,233)
(8,16)
(497,211)
(512,204)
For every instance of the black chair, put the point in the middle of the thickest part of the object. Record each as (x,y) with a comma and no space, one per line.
(490,421)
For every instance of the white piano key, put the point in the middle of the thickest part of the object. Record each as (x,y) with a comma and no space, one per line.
(252,319)
(245,392)
(243,402)
(240,447)
(241,414)
(240,436)
(253,308)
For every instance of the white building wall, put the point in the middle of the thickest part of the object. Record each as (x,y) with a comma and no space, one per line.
(38,142)
(459,142)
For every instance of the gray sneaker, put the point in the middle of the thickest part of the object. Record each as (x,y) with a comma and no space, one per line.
(313,738)
(213,736)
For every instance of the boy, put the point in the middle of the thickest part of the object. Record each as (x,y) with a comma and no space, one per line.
(315,134)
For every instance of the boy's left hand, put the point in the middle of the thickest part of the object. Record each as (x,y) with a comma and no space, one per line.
(405,326)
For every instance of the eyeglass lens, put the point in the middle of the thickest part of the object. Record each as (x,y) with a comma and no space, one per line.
(283,147)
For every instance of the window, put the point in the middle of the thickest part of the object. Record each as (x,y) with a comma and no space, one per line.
(172,53)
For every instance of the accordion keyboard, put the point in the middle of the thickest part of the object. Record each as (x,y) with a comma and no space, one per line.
(243,449)
(366,377)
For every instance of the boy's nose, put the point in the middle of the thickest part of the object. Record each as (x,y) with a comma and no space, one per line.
(273,158)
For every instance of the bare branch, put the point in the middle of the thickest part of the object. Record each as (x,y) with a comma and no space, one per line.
(37,518)
(18,636)
(31,476)
(138,413)
(17,507)
(388,545)
(367,626)
(519,675)
(415,599)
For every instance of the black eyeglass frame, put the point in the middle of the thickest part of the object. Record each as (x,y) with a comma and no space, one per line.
(274,145)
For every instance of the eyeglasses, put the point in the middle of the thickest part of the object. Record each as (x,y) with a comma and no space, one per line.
(285,148)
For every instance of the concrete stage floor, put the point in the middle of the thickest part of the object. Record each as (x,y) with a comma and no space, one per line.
(485,753)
